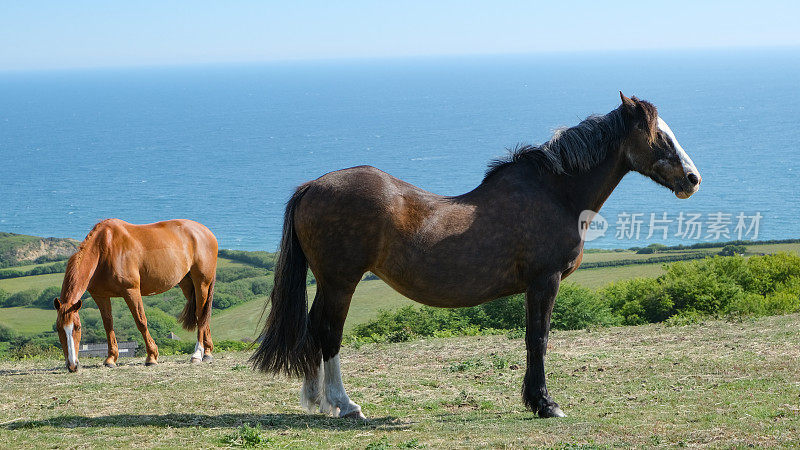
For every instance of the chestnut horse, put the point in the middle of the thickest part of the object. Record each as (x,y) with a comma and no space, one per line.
(518,231)
(119,259)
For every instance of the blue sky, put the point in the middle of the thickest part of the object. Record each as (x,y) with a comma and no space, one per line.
(68,34)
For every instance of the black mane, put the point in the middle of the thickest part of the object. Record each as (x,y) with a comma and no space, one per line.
(570,150)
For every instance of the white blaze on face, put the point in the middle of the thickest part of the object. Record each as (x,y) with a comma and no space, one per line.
(72,358)
(198,351)
(688,165)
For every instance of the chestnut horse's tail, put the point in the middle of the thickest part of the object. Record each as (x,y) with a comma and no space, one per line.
(188,317)
(286,344)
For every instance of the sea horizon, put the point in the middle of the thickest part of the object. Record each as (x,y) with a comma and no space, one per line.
(225,144)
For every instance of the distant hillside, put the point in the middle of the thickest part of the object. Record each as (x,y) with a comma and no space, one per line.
(16,249)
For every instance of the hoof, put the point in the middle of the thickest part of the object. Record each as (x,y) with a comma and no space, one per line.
(551,411)
(195,360)
(207,358)
(110,365)
(357,414)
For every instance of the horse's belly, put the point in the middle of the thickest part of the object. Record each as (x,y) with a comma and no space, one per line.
(161,271)
(452,290)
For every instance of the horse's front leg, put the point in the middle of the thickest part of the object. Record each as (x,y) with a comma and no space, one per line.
(104,305)
(134,300)
(540,298)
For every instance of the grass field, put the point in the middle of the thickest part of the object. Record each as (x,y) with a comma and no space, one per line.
(40,282)
(241,322)
(27,320)
(718,384)
(596,278)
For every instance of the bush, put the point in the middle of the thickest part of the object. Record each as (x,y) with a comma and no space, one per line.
(23,347)
(652,248)
(259,259)
(696,285)
(733,250)
(578,308)
(733,285)
(232,346)
(23,298)
(173,347)
(6,334)
(228,274)
(575,308)
(160,324)
(45,299)
(261,286)
(637,301)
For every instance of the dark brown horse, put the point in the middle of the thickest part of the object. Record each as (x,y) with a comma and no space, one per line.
(518,231)
(119,259)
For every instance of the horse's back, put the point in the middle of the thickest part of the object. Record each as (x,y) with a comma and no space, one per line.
(155,256)
(167,233)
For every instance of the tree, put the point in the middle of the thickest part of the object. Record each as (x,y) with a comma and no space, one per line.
(733,250)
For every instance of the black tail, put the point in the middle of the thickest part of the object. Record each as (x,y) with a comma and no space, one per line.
(188,317)
(286,344)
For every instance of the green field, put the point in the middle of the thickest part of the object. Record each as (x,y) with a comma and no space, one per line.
(27,320)
(37,281)
(241,322)
(713,384)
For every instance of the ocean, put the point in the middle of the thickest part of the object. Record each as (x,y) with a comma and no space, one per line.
(226,144)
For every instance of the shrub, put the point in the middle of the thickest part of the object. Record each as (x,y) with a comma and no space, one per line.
(578,307)
(505,313)
(259,259)
(228,274)
(575,308)
(6,334)
(636,301)
(261,286)
(696,285)
(23,347)
(652,248)
(160,324)
(173,347)
(733,250)
(230,345)
(45,299)
(23,298)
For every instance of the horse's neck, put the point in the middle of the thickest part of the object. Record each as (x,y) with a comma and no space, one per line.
(588,191)
(80,269)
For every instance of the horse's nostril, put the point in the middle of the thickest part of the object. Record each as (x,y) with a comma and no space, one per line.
(693,178)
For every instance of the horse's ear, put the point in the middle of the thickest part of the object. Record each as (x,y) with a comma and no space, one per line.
(77,305)
(629,104)
(56,303)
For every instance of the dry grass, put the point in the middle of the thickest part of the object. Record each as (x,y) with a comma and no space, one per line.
(717,383)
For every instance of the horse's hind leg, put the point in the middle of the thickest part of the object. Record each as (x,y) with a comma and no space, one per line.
(204,346)
(311,392)
(104,305)
(326,324)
